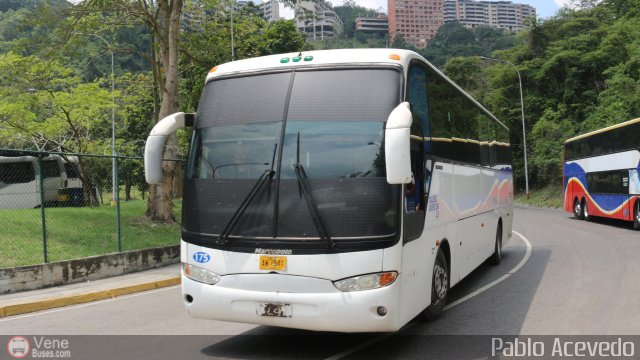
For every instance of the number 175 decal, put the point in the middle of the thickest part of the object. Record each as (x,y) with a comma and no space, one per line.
(201,257)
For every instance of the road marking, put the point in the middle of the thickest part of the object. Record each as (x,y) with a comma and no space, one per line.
(498,280)
(449,306)
(45,312)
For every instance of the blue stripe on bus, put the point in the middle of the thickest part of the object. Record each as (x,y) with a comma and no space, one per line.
(609,202)
(573,170)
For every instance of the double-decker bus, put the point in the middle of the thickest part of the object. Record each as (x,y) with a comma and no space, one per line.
(601,173)
(337,190)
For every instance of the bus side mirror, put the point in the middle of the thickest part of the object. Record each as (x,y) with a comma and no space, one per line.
(397,138)
(154,148)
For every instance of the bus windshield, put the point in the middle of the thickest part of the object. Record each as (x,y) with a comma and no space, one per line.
(330,122)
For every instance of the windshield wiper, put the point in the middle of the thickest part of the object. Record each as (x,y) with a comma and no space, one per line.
(267,175)
(303,184)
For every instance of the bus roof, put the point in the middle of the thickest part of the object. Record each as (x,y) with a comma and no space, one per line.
(318,57)
(608,128)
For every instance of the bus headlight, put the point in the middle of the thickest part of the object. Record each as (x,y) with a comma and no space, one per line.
(366,282)
(200,275)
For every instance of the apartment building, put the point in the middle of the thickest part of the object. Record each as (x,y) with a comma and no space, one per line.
(270,10)
(497,14)
(317,20)
(416,20)
(379,24)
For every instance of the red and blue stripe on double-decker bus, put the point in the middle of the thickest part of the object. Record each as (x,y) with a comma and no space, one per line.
(616,206)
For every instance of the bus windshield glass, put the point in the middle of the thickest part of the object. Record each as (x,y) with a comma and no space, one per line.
(331,122)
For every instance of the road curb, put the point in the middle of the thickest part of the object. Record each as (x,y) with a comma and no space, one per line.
(46,304)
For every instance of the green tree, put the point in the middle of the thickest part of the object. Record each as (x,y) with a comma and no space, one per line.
(43,106)
(454,40)
(137,114)
(210,45)
(163,20)
(468,73)
(580,72)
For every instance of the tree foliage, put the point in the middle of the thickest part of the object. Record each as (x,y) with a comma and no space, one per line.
(455,40)
(580,72)
(47,105)
(210,45)
(44,106)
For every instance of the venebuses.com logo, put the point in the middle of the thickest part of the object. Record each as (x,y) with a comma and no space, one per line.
(18,347)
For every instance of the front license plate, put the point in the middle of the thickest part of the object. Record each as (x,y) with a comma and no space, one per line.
(275,310)
(273,262)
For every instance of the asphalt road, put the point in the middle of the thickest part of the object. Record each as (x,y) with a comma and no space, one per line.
(581,278)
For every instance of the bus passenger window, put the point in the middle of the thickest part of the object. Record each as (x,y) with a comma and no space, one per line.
(414,192)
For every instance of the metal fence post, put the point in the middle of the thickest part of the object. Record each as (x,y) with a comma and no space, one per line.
(117,194)
(42,204)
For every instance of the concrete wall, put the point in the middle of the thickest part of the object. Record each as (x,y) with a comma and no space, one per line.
(91,268)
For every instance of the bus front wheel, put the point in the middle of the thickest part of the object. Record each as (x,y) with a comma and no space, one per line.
(585,210)
(496,258)
(577,209)
(636,215)
(439,289)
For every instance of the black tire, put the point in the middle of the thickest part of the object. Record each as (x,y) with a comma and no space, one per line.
(585,210)
(577,209)
(636,215)
(496,258)
(439,289)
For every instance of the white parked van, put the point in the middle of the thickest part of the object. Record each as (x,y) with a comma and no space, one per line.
(20,180)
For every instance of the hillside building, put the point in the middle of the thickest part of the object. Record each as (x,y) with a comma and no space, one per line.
(270,10)
(497,14)
(379,24)
(417,21)
(317,20)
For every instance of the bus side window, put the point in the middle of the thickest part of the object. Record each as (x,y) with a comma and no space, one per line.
(415,192)
(634,182)
(417,96)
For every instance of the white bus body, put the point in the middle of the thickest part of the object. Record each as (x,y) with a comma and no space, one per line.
(20,181)
(72,170)
(355,210)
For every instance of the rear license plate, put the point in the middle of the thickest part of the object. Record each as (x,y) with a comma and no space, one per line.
(273,262)
(275,310)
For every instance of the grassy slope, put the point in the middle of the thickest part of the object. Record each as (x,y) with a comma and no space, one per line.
(550,196)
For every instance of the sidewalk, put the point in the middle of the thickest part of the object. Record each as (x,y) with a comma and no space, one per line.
(38,300)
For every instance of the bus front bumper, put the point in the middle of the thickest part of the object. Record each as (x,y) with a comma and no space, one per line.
(357,311)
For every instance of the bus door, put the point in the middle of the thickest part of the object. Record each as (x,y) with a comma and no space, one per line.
(634,192)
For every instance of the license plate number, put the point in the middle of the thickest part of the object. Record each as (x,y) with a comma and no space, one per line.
(275,310)
(273,262)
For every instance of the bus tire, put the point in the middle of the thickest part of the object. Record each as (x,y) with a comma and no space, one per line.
(585,210)
(577,209)
(636,215)
(439,289)
(496,258)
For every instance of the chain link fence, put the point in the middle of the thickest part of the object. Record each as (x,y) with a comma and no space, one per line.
(61,206)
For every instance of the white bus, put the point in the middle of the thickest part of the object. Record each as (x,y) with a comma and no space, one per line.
(338,190)
(20,180)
